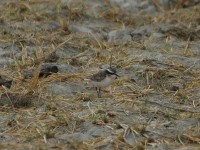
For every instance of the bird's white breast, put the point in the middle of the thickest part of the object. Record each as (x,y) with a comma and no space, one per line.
(104,83)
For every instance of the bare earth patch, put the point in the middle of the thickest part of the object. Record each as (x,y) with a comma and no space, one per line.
(48,48)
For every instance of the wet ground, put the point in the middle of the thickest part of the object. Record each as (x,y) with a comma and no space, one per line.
(155,47)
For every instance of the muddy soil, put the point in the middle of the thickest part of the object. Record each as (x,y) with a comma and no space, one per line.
(48,48)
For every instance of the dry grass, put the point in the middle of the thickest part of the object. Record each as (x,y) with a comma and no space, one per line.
(36,116)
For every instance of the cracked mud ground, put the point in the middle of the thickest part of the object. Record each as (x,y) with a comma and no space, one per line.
(155,47)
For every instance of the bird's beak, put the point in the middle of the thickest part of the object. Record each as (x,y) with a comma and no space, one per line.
(117,76)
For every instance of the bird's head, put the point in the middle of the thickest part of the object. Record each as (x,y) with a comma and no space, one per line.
(112,73)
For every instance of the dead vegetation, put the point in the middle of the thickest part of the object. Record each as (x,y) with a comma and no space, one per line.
(36,117)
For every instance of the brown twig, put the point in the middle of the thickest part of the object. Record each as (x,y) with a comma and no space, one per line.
(157,6)
(179,4)
(187,45)
(110,60)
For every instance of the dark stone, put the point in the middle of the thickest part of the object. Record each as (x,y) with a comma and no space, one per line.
(175,88)
(48,70)
(6,83)
(45,71)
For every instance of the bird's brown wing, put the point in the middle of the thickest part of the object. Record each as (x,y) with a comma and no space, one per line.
(98,76)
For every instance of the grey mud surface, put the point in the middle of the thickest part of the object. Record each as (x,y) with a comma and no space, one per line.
(155,46)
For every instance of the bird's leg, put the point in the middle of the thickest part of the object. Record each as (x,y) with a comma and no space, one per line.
(98,91)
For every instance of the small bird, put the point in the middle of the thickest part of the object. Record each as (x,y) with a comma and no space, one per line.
(103,79)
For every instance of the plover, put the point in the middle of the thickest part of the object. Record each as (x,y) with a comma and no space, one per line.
(103,79)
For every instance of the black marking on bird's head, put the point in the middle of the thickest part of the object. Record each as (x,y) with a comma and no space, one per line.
(111,71)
